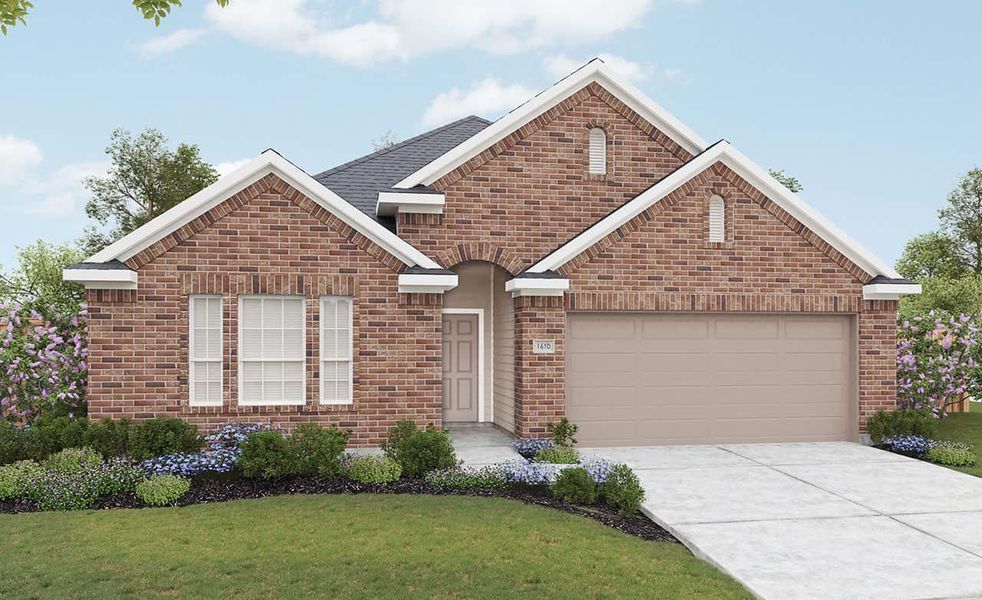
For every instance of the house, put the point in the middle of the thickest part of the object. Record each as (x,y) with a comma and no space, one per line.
(585,255)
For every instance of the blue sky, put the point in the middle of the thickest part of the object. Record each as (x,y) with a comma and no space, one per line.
(876,106)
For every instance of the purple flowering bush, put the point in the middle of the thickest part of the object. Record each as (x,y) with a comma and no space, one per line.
(936,362)
(43,361)
(221,456)
(529,447)
(908,445)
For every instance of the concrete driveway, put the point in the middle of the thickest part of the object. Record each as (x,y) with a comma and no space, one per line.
(818,520)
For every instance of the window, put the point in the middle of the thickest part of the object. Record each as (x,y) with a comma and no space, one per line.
(598,151)
(336,342)
(271,350)
(717,219)
(205,350)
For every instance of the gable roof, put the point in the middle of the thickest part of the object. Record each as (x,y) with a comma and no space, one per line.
(594,71)
(725,153)
(269,162)
(359,181)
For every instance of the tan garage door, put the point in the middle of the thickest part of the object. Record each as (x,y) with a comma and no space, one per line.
(639,379)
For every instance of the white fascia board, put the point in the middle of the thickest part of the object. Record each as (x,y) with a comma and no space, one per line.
(890,291)
(594,71)
(423,283)
(392,203)
(234,182)
(98,279)
(743,166)
(531,286)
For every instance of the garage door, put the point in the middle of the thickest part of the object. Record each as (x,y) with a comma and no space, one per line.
(640,379)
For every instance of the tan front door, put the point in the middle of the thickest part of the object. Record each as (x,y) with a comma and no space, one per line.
(685,378)
(460,367)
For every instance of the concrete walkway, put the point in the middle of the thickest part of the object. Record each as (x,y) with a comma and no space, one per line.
(819,520)
(481,444)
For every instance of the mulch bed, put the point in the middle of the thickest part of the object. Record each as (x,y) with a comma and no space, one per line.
(223,489)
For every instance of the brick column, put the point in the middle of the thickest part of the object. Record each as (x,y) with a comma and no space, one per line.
(539,378)
(877,358)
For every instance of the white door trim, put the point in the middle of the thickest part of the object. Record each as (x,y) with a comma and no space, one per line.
(480,352)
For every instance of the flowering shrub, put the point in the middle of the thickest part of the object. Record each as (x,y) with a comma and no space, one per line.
(908,445)
(13,478)
(936,362)
(222,453)
(952,454)
(529,447)
(43,361)
(541,473)
(73,460)
(161,490)
(467,478)
(598,468)
(78,490)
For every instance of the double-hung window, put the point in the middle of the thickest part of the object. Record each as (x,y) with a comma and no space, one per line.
(336,347)
(205,350)
(272,350)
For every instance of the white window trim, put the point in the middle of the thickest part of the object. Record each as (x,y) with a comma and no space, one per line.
(303,336)
(480,355)
(351,351)
(716,202)
(602,150)
(221,350)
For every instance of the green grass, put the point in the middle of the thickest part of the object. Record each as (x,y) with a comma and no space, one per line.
(965,427)
(365,546)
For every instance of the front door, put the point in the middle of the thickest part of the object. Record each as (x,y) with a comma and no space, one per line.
(460,367)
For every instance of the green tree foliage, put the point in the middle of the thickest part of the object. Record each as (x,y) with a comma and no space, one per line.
(13,12)
(961,220)
(786,180)
(957,296)
(146,178)
(37,278)
(930,255)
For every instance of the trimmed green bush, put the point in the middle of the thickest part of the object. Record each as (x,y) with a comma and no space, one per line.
(73,460)
(11,443)
(899,423)
(48,435)
(563,432)
(161,490)
(574,486)
(15,477)
(951,454)
(462,478)
(266,454)
(156,437)
(560,455)
(419,451)
(318,451)
(373,470)
(622,490)
(110,437)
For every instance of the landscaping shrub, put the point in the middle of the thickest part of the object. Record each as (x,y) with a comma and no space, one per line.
(14,477)
(62,491)
(903,422)
(50,434)
(560,455)
(73,460)
(373,470)
(574,486)
(563,432)
(464,478)
(622,490)
(318,451)
(598,468)
(115,476)
(266,454)
(11,443)
(161,490)
(936,362)
(952,454)
(221,456)
(520,472)
(110,437)
(156,437)
(909,445)
(419,450)
(529,447)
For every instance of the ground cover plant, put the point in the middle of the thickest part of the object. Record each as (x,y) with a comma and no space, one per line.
(967,428)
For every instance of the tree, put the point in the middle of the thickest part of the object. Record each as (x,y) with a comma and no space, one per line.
(787,181)
(961,220)
(146,178)
(13,12)
(930,255)
(955,296)
(38,281)
(384,141)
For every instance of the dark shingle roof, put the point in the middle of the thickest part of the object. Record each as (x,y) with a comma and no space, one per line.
(360,180)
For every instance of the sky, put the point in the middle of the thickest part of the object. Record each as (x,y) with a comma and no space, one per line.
(875,106)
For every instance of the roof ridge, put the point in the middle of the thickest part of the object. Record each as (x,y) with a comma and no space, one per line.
(398,145)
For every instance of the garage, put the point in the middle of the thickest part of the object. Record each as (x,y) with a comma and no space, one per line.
(686,378)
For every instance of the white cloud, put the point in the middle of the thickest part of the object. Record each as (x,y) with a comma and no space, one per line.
(58,194)
(18,159)
(404,29)
(488,97)
(171,42)
(226,167)
(560,66)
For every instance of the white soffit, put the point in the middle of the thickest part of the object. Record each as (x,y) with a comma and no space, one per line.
(392,203)
(890,291)
(426,283)
(537,286)
(99,279)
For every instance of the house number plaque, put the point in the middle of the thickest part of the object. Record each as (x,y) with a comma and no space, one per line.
(543,346)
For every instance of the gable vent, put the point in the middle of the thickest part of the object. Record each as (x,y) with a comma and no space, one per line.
(717,216)
(598,151)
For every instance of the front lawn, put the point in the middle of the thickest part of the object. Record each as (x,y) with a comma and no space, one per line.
(351,546)
(965,427)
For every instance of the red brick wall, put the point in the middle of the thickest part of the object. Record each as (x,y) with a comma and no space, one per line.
(269,239)
(539,378)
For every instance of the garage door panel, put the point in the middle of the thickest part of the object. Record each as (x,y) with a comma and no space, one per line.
(705,378)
